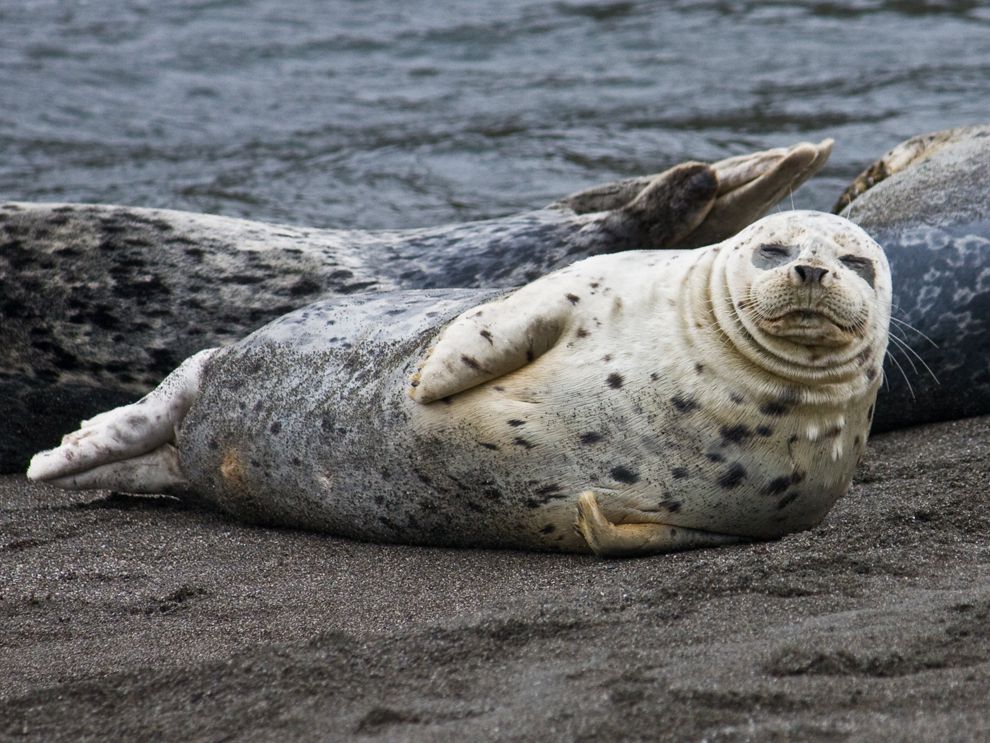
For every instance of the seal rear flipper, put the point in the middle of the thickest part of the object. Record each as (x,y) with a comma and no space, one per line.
(133,436)
(678,208)
(156,472)
(628,540)
(751,184)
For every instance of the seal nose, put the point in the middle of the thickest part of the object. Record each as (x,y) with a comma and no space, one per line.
(810,274)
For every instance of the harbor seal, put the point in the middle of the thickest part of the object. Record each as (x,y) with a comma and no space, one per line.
(98,303)
(657,400)
(926,202)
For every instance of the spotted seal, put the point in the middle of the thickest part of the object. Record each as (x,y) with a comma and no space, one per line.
(98,303)
(927,202)
(660,399)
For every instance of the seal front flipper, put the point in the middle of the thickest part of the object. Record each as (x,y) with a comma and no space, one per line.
(496,338)
(628,540)
(128,448)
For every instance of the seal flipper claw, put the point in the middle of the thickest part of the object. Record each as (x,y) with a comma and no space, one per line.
(627,540)
(132,435)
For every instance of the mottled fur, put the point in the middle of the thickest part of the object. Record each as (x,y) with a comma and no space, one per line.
(927,202)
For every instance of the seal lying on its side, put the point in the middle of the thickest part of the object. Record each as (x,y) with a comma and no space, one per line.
(927,202)
(98,303)
(673,399)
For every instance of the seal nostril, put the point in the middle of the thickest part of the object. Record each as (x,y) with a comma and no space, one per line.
(810,274)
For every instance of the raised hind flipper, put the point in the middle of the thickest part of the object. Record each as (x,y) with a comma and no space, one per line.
(607,539)
(680,212)
(130,447)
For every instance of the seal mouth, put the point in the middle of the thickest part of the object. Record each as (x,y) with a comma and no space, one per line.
(812,327)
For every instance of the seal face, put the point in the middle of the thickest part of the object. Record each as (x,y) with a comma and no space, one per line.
(665,399)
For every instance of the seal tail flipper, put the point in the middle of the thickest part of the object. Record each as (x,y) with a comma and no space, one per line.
(122,446)
(157,471)
(747,187)
(627,540)
(750,185)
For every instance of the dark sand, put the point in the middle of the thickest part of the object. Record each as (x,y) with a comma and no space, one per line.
(141,619)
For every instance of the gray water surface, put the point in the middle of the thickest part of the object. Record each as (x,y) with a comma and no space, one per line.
(400,114)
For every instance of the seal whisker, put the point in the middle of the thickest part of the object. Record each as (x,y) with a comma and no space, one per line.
(902,344)
(909,326)
(903,374)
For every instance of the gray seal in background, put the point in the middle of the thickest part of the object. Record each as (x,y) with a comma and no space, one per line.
(99,303)
(927,202)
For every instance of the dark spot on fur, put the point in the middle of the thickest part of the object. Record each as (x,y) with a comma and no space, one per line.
(498,388)
(714,456)
(871,373)
(699,368)
(582,333)
(786,500)
(573,298)
(777,485)
(548,529)
(671,505)
(736,434)
(734,475)
(485,444)
(590,437)
(487,336)
(593,284)
(515,422)
(654,377)
(520,441)
(856,441)
(684,404)
(471,362)
(679,473)
(275,427)
(529,354)
(764,431)
(624,474)
(737,398)
(773,408)
(614,380)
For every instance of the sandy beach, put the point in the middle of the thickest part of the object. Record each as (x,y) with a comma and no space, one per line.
(140,618)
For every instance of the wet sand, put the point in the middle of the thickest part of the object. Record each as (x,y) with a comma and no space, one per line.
(139,618)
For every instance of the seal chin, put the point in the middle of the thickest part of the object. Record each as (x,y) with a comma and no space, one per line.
(808,327)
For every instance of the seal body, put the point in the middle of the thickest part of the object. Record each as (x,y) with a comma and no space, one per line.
(926,202)
(100,302)
(708,396)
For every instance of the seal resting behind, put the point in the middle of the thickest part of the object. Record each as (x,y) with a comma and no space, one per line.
(927,202)
(98,303)
(659,400)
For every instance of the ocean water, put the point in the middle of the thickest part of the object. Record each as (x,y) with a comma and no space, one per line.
(351,113)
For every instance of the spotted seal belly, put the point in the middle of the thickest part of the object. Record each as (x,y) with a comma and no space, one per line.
(100,302)
(655,400)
